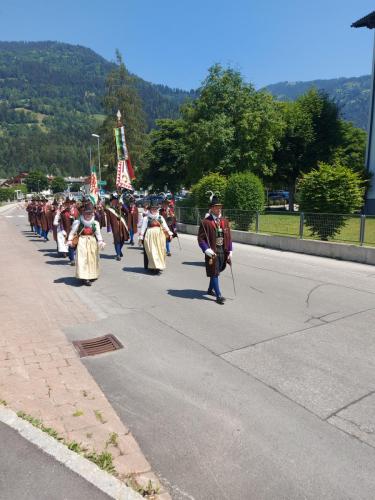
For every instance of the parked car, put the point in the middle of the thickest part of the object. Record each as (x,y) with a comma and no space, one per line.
(278,195)
(149,198)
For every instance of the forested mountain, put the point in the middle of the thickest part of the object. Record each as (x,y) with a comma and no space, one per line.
(51,100)
(351,94)
(51,97)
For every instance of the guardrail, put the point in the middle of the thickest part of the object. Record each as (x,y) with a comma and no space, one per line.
(341,228)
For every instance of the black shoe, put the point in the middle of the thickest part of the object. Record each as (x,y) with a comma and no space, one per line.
(121,254)
(220,300)
(211,292)
(169,254)
(118,257)
(87,282)
(132,243)
(72,263)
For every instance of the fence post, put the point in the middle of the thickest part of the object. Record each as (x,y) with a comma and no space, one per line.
(301,224)
(257,222)
(198,218)
(362,230)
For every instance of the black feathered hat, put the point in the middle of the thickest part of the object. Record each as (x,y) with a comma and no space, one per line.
(88,208)
(154,203)
(214,199)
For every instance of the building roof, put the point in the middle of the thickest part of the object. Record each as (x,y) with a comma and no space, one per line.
(365,22)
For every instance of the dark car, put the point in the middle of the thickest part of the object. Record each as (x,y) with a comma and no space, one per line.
(278,195)
(148,199)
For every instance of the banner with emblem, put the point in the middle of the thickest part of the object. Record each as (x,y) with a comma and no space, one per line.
(123,180)
(94,190)
(125,171)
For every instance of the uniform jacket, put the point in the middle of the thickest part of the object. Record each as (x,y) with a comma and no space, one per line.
(117,224)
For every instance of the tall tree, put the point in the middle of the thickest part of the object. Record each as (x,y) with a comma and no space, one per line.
(122,95)
(230,127)
(312,134)
(36,181)
(166,156)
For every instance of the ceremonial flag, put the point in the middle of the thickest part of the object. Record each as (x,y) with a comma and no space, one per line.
(122,152)
(123,180)
(93,186)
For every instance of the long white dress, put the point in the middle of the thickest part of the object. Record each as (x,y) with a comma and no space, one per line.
(87,254)
(154,241)
(62,246)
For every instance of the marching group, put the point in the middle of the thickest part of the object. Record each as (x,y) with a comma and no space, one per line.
(77,229)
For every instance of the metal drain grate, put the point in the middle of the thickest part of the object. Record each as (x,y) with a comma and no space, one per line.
(99,345)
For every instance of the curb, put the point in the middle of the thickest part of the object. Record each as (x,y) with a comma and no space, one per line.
(110,485)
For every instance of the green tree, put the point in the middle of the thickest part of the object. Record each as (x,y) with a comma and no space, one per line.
(312,133)
(230,127)
(165,156)
(36,181)
(290,153)
(245,191)
(352,150)
(121,94)
(329,189)
(58,185)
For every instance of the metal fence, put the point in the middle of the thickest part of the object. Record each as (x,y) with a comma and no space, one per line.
(345,228)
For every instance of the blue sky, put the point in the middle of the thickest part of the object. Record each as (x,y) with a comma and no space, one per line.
(175,41)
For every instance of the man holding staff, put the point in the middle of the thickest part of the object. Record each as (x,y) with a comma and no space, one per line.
(214,239)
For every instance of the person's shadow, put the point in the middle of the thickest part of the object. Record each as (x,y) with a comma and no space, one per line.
(69,280)
(188,293)
(48,250)
(197,263)
(62,262)
(55,255)
(137,270)
(108,257)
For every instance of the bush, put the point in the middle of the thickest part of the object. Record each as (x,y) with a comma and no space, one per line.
(6,194)
(245,191)
(330,189)
(212,182)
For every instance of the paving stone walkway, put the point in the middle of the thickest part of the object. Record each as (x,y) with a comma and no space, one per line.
(40,371)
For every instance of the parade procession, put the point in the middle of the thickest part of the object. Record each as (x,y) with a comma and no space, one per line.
(77,226)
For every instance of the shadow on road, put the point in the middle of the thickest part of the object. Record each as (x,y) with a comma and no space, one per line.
(105,256)
(55,255)
(189,294)
(48,250)
(138,270)
(69,280)
(57,262)
(198,264)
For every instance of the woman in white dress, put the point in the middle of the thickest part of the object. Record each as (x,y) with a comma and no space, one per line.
(62,245)
(90,240)
(153,234)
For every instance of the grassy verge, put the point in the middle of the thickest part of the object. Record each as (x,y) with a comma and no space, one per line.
(288,225)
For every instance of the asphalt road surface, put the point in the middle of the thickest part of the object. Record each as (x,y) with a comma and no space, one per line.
(271,396)
(27,473)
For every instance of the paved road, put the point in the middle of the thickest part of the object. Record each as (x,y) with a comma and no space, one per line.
(26,473)
(271,396)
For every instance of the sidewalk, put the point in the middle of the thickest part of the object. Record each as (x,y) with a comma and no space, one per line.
(40,372)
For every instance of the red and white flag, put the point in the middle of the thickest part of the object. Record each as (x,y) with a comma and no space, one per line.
(123,179)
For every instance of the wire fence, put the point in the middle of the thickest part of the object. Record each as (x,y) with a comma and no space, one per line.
(345,228)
